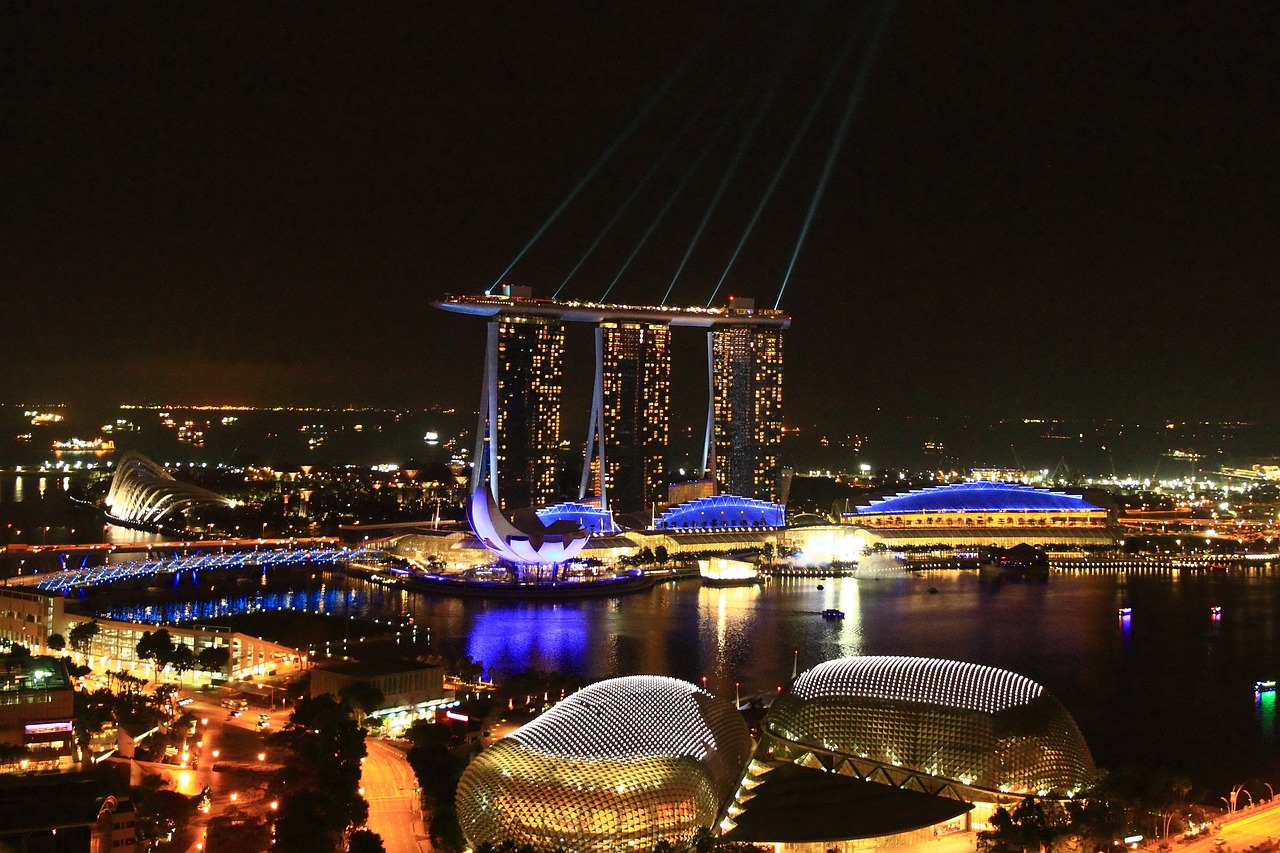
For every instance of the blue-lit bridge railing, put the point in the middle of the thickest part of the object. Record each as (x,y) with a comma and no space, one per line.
(155,567)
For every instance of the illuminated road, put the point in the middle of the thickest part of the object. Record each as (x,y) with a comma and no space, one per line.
(390,788)
(1242,830)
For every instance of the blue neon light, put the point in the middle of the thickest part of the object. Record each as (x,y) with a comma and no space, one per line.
(722,512)
(978,497)
(593,518)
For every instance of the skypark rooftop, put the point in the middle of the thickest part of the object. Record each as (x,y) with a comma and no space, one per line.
(739,312)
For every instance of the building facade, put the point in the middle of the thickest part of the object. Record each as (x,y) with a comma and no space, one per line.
(529,382)
(36,713)
(746,431)
(636,392)
(983,513)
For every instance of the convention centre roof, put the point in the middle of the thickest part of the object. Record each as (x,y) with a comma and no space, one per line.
(977,497)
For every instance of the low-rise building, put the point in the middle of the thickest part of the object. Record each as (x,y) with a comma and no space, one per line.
(37,707)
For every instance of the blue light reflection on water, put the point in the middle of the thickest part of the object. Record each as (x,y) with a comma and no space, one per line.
(508,639)
(1168,685)
(327,600)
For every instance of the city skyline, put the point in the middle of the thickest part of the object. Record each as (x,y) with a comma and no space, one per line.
(1047,211)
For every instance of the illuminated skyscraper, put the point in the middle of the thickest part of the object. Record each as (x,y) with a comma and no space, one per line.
(528,359)
(745,364)
(636,389)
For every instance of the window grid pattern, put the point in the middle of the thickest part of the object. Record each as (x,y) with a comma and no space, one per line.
(621,764)
(983,727)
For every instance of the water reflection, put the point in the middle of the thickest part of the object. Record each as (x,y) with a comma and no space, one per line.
(518,638)
(1168,684)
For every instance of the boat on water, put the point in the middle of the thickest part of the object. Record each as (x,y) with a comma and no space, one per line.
(83,445)
(1264,687)
(832,613)
(1125,611)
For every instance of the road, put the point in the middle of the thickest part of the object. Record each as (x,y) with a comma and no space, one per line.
(390,788)
(1241,830)
(220,742)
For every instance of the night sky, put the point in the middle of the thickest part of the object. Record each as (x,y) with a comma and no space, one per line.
(1041,208)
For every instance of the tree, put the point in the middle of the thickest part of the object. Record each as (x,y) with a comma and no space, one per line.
(304,826)
(363,697)
(365,841)
(767,552)
(213,658)
(81,636)
(660,555)
(182,658)
(56,642)
(156,646)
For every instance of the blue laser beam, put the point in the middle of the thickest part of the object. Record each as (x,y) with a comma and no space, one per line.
(855,97)
(604,157)
(801,132)
(676,139)
(779,74)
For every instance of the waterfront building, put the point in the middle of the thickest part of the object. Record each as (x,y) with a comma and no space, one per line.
(630,420)
(623,764)
(983,514)
(746,429)
(115,647)
(529,381)
(636,403)
(959,731)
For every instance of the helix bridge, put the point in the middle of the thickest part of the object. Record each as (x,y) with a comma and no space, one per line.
(174,566)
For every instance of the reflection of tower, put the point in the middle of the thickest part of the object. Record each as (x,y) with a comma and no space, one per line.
(520,412)
(745,363)
(634,373)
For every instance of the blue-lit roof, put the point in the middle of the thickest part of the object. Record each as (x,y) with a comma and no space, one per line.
(978,497)
(593,518)
(720,512)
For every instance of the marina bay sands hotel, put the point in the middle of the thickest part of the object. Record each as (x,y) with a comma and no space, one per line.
(519,433)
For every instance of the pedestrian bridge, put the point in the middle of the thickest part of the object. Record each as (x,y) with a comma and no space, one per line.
(173,566)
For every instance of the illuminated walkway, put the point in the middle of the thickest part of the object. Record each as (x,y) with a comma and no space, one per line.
(152,567)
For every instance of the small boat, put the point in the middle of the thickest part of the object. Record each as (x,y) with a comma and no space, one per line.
(1264,687)
(1126,611)
(820,586)
(832,613)
(1215,611)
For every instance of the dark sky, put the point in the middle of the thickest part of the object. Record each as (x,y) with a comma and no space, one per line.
(1041,208)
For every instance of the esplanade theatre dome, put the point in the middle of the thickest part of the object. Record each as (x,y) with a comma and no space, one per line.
(957,729)
(619,765)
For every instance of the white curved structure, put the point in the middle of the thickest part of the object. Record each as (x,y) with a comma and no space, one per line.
(545,546)
(143,492)
(538,545)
